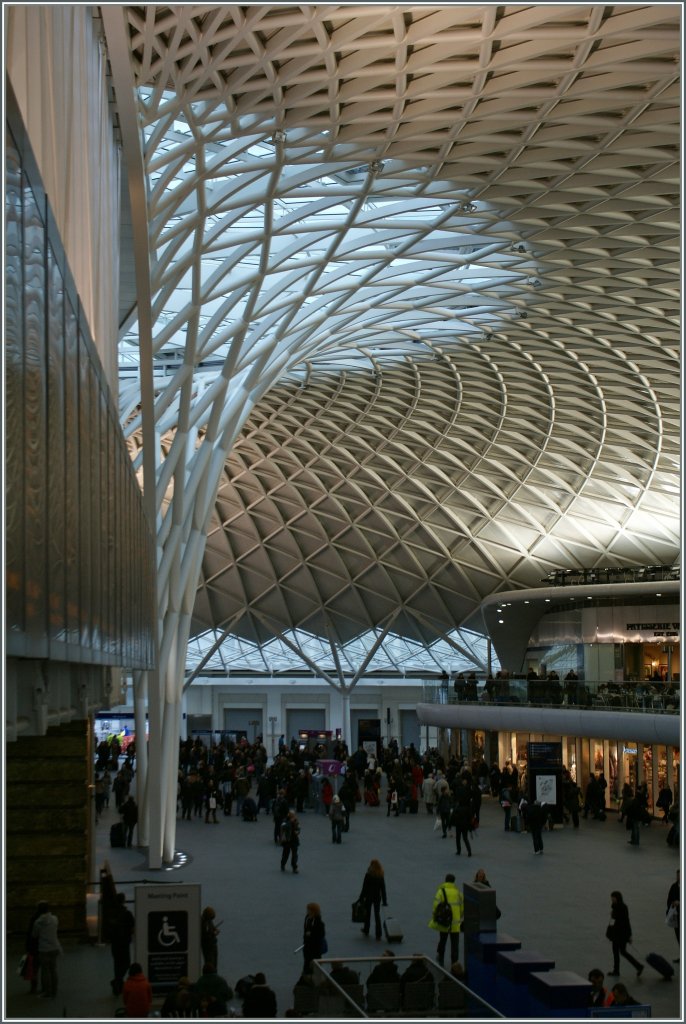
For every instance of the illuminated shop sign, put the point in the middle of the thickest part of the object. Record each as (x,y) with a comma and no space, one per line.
(654,625)
(630,750)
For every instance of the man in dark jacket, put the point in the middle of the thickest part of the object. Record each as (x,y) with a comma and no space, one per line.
(260,1000)
(536,817)
(122,924)
(129,813)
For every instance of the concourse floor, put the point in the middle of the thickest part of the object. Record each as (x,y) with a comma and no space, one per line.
(557,903)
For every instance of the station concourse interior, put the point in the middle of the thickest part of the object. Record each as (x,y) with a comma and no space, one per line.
(342,365)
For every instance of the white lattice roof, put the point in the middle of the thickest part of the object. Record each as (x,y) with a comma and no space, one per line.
(415,273)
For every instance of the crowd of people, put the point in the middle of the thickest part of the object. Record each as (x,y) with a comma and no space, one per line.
(228,778)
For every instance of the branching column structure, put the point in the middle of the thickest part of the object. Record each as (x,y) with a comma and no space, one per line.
(477,198)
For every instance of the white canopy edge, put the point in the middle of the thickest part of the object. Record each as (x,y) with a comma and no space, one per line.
(640,727)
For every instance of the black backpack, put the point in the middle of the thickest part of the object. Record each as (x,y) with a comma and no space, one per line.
(443,912)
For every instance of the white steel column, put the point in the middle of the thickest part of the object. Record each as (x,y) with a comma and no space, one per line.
(140,696)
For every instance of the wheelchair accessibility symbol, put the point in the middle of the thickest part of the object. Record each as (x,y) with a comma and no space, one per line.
(168,931)
(168,935)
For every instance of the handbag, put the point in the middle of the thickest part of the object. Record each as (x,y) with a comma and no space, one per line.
(359,909)
(672,918)
(610,931)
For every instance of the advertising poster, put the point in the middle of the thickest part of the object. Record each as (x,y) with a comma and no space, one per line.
(168,933)
(546,790)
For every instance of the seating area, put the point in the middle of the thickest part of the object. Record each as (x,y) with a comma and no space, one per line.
(438,994)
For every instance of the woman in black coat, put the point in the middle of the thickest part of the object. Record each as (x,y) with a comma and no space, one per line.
(314,936)
(373,893)
(619,933)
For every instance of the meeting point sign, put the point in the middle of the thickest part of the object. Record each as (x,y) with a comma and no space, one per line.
(168,933)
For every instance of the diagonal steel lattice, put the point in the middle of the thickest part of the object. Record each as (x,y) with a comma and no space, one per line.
(416,308)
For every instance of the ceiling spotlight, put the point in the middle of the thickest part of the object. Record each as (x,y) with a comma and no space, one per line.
(535,282)
(518,247)
(522,314)
(376,166)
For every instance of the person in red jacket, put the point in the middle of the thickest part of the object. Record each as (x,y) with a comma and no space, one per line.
(137,993)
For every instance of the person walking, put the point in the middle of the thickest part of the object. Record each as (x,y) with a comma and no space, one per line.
(374,894)
(444,808)
(314,936)
(336,817)
(279,812)
(122,924)
(619,934)
(45,932)
(674,901)
(209,932)
(536,817)
(447,922)
(290,841)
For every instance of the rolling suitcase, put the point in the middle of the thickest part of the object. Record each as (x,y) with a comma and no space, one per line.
(662,966)
(392,930)
(117,834)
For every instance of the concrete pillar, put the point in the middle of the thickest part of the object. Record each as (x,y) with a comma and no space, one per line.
(655,787)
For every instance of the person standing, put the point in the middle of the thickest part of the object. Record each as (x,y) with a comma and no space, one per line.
(598,996)
(209,932)
(129,813)
(290,841)
(31,967)
(635,816)
(619,934)
(428,793)
(450,894)
(674,900)
(137,993)
(462,817)
(260,999)
(314,936)
(506,804)
(374,894)
(214,992)
(122,924)
(337,817)
(49,947)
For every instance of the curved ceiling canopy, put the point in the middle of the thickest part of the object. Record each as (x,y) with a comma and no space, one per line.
(415,277)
